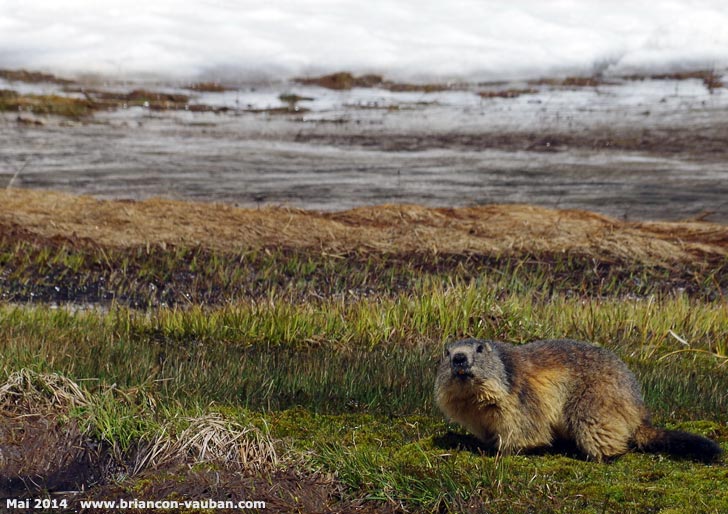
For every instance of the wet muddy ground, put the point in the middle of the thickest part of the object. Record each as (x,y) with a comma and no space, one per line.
(633,149)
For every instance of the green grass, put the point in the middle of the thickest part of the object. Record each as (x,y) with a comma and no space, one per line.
(334,359)
(418,461)
(335,355)
(148,276)
(415,467)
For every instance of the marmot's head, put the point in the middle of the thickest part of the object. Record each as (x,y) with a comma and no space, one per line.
(472,363)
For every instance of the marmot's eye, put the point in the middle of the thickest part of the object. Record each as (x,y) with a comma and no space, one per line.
(479,349)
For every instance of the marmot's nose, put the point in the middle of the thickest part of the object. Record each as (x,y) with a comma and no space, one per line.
(460,360)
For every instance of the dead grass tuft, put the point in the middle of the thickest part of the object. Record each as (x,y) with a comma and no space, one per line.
(29,391)
(211,439)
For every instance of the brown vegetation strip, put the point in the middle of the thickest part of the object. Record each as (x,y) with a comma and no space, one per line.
(344,81)
(507,230)
(44,104)
(32,77)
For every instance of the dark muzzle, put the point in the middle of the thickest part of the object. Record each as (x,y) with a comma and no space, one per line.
(460,366)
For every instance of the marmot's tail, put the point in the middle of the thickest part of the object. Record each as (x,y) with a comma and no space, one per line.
(676,442)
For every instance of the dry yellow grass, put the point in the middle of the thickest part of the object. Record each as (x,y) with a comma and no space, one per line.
(492,230)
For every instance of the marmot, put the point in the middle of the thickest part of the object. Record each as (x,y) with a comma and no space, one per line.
(521,397)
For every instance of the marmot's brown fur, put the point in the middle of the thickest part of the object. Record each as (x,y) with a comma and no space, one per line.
(520,397)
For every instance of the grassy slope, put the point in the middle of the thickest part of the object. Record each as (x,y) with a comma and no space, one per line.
(333,384)
(333,359)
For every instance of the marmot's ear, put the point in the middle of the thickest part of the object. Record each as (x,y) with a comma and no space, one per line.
(483,345)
